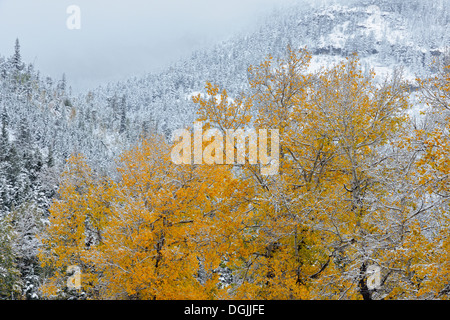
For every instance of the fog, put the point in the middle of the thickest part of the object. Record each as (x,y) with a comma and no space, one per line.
(119,39)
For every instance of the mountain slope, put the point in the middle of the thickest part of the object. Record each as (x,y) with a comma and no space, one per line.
(384,34)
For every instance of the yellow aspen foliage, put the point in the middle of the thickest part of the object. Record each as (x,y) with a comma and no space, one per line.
(432,265)
(76,226)
(170,224)
(358,208)
(314,228)
(163,230)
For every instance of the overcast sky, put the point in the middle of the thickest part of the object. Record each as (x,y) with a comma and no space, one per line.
(119,38)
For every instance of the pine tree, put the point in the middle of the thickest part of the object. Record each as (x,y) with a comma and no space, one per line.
(10,282)
(27,223)
(4,138)
(17,58)
(123,115)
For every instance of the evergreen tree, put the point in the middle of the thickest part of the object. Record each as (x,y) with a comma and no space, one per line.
(17,58)
(10,283)
(123,115)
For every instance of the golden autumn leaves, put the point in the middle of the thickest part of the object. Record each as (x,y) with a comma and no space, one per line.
(357,186)
(150,234)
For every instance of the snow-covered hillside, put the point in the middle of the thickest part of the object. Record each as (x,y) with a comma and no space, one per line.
(385,35)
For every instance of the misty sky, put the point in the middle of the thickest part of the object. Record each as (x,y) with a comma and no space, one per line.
(119,38)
